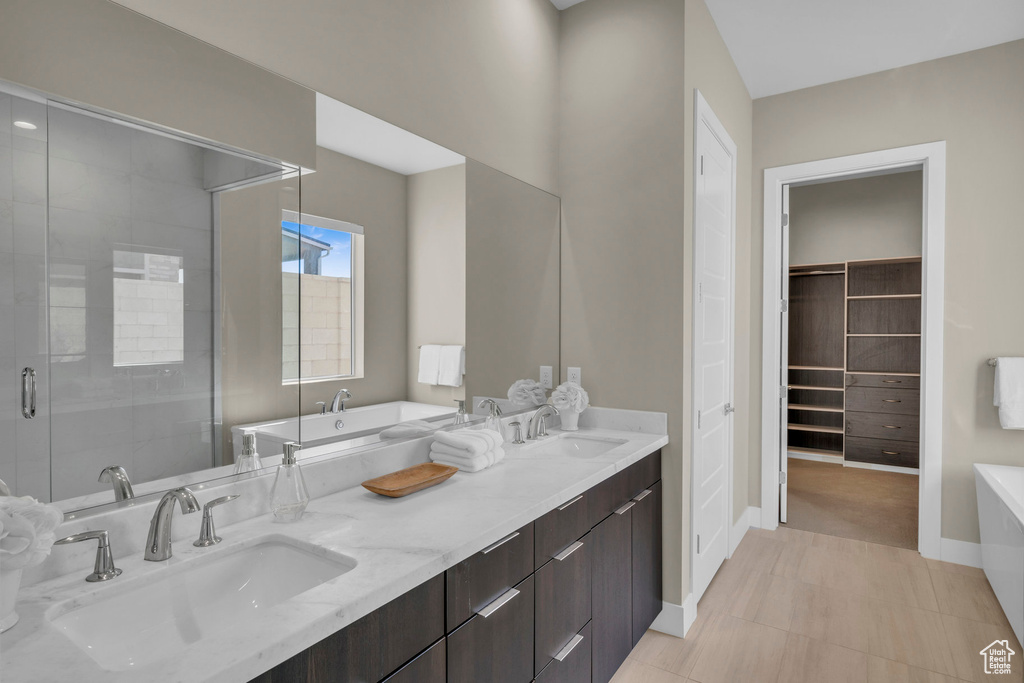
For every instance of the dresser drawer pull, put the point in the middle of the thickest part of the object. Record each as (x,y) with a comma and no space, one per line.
(891,400)
(625,508)
(643,494)
(892,381)
(567,650)
(892,427)
(499,602)
(569,551)
(571,502)
(891,452)
(499,543)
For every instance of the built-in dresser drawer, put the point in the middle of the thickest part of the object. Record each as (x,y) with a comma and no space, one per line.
(882,451)
(882,426)
(428,667)
(572,664)
(561,527)
(644,473)
(496,645)
(884,381)
(479,580)
(614,492)
(889,401)
(563,600)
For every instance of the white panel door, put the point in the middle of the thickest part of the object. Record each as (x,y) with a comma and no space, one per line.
(714,245)
(784,346)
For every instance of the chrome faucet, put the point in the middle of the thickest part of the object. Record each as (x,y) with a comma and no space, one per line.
(158,543)
(537,427)
(338,404)
(116,475)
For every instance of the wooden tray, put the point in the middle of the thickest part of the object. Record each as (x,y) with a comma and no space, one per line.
(410,480)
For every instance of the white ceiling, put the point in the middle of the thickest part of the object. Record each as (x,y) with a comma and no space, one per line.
(784,45)
(348,131)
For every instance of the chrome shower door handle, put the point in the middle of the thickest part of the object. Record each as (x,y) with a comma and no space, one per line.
(28,393)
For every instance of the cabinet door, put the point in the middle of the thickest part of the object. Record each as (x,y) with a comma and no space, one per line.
(563,600)
(429,667)
(572,663)
(612,602)
(646,560)
(496,645)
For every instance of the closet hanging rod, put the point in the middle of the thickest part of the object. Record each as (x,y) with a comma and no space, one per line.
(820,272)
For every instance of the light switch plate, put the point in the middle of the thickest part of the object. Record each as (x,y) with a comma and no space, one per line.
(546,380)
(576,375)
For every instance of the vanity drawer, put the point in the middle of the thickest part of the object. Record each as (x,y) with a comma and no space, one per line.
(478,580)
(563,600)
(428,667)
(644,473)
(881,426)
(889,401)
(561,527)
(882,451)
(884,381)
(497,647)
(608,496)
(575,665)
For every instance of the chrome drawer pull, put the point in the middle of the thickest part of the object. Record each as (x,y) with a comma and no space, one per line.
(892,381)
(574,500)
(891,452)
(567,650)
(498,603)
(892,427)
(625,508)
(28,393)
(643,494)
(891,400)
(499,543)
(569,551)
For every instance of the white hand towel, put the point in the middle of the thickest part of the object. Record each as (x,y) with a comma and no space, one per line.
(480,463)
(1009,392)
(430,364)
(464,439)
(411,428)
(451,451)
(452,366)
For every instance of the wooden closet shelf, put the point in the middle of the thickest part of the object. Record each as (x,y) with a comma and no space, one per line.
(814,451)
(803,386)
(815,428)
(897,374)
(814,367)
(820,409)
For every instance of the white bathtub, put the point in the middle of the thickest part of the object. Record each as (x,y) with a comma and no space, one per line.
(1001,513)
(319,430)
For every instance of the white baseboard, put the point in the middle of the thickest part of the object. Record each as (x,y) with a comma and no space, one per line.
(816,457)
(676,620)
(881,468)
(750,519)
(960,552)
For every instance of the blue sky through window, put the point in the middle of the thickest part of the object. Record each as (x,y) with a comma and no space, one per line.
(338,263)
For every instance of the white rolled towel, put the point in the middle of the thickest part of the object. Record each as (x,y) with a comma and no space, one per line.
(475,441)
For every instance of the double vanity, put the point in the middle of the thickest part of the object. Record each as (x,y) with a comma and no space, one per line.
(544,567)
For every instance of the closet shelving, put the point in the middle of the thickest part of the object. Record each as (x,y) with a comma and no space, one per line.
(854,353)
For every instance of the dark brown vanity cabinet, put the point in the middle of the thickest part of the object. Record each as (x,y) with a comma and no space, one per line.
(561,600)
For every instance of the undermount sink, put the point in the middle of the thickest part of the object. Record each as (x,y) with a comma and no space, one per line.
(577,446)
(158,618)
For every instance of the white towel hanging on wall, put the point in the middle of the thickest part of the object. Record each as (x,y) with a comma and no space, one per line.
(1009,392)
(452,366)
(430,364)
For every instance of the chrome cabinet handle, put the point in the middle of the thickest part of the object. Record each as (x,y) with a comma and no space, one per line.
(28,393)
(569,551)
(571,502)
(891,400)
(891,427)
(892,381)
(625,508)
(891,452)
(567,650)
(643,494)
(498,603)
(499,543)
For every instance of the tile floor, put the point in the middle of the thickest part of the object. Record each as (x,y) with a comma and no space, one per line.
(793,606)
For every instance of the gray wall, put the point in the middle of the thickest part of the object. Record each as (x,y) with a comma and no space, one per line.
(477,76)
(975,102)
(865,218)
(97,53)
(437,272)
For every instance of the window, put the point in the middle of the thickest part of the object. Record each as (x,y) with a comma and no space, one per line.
(321,286)
(149,308)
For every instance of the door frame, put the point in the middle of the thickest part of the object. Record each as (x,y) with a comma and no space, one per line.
(704,113)
(931,159)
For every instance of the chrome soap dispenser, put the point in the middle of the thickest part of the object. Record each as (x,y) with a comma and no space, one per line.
(289,497)
(249,459)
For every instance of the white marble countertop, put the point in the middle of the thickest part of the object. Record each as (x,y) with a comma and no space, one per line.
(397,544)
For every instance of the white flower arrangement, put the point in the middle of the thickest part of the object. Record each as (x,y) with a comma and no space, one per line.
(26,531)
(527,392)
(570,396)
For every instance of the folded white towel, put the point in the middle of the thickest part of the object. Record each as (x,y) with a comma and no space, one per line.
(452,366)
(464,441)
(404,430)
(1009,392)
(445,449)
(469,464)
(475,466)
(430,364)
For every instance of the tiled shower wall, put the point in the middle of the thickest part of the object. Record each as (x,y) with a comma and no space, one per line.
(116,189)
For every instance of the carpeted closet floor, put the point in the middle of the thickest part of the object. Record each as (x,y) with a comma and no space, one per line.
(866,505)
